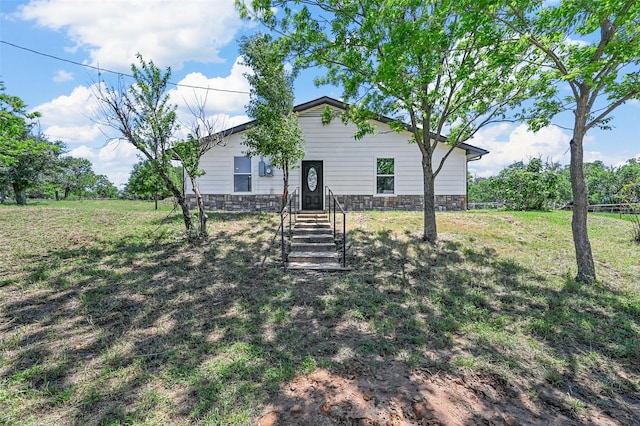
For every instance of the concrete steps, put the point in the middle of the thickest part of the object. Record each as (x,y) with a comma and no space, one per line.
(312,245)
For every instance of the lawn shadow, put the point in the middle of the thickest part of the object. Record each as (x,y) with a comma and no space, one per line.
(154,330)
(462,309)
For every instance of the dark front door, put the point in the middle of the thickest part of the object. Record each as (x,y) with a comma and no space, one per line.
(312,188)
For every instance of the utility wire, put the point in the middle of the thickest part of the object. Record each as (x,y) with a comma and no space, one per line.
(114,72)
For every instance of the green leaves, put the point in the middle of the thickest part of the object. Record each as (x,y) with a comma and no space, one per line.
(594,47)
(189,153)
(16,124)
(441,65)
(277,133)
(153,117)
(145,182)
(144,116)
(534,186)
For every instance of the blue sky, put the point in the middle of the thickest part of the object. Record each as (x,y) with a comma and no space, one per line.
(198,40)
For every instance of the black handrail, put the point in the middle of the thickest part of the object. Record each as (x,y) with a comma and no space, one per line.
(333,200)
(289,208)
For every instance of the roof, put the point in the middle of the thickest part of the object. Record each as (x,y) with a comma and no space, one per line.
(473,152)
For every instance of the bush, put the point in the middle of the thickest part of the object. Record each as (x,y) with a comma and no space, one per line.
(534,186)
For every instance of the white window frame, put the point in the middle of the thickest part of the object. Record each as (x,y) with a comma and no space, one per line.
(236,173)
(377,175)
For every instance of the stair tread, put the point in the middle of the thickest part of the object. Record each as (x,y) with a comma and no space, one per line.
(312,254)
(316,266)
(314,244)
(313,238)
(314,231)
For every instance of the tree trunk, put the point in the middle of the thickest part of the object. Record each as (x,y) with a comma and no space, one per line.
(179,196)
(155,199)
(2,195)
(57,195)
(584,256)
(202,216)
(285,186)
(430,229)
(186,213)
(67,190)
(21,194)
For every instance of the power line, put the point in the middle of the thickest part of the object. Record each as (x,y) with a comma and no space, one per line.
(115,72)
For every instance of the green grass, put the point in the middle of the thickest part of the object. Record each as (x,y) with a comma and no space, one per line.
(108,317)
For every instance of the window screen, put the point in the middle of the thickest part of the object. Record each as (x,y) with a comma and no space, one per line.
(241,174)
(385,176)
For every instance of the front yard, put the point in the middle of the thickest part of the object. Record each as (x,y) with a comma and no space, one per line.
(108,317)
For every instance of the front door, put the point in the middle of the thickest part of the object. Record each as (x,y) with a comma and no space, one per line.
(312,188)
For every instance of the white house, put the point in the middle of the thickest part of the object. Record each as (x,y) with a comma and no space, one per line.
(378,172)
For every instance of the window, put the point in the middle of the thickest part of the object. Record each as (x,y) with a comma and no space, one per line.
(385,175)
(241,174)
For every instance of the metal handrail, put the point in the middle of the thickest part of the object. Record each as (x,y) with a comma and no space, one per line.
(336,203)
(289,208)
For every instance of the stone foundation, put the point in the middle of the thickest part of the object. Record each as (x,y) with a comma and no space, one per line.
(239,203)
(271,203)
(399,202)
(451,202)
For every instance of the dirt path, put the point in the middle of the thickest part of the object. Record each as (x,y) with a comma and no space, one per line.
(397,396)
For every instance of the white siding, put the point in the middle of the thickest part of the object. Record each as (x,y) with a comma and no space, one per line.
(349,165)
(218,164)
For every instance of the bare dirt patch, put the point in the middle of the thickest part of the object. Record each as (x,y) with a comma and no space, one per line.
(397,396)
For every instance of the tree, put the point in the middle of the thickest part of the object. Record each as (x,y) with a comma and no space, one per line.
(430,63)
(601,71)
(143,116)
(532,186)
(75,175)
(16,141)
(16,126)
(277,134)
(189,152)
(628,182)
(144,182)
(483,190)
(26,168)
(601,182)
(479,190)
(104,188)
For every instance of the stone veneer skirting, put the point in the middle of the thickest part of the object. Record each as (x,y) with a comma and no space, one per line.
(271,203)
(400,202)
(239,203)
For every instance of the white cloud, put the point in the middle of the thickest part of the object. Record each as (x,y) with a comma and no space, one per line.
(576,42)
(74,109)
(232,100)
(508,143)
(115,159)
(71,118)
(614,160)
(170,32)
(73,135)
(62,76)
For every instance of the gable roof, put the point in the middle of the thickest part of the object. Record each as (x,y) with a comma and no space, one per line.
(472,152)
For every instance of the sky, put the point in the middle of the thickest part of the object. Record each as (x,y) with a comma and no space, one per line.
(62,43)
